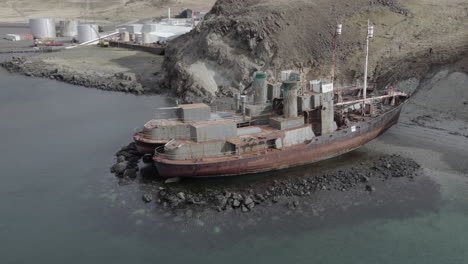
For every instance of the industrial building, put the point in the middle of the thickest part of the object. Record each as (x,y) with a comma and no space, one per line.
(197,14)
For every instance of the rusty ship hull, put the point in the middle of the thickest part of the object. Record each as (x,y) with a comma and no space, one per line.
(320,148)
(146,146)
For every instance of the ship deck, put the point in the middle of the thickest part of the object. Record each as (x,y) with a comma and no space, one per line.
(319,148)
(268,133)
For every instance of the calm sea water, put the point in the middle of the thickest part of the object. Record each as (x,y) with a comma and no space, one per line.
(60,204)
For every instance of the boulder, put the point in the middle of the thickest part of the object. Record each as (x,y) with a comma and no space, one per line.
(119,168)
(131,173)
(147,198)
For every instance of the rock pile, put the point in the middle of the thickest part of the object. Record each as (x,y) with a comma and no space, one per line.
(126,167)
(287,191)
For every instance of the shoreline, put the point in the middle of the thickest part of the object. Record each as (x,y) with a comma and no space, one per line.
(108,69)
(184,198)
(120,82)
(137,80)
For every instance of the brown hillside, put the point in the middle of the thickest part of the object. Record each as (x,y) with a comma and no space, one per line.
(241,36)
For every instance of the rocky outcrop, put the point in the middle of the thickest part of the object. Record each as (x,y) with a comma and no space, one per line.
(239,37)
(126,166)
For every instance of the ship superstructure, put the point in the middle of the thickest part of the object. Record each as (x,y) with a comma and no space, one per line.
(300,126)
(276,125)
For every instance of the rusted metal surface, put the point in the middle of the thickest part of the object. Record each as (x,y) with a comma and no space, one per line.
(319,148)
(146,146)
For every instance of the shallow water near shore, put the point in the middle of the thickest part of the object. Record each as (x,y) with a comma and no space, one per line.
(59,202)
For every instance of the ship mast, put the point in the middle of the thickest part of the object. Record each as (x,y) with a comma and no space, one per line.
(370,34)
(335,37)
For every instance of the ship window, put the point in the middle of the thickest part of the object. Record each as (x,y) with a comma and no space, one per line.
(271,144)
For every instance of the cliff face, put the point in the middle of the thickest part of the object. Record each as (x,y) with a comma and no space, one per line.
(239,37)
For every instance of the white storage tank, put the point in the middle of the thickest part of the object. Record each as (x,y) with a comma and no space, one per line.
(146,38)
(124,36)
(68,28)
(87,32)
(42,27)
(138,38)
(150,27)
(134,28)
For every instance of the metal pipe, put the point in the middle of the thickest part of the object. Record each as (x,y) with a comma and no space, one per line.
(94,41)
(372,98)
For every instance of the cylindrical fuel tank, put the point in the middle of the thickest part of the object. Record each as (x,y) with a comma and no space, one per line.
(42,27)
(87,32)
(146,38)
(125,36)
(68,28)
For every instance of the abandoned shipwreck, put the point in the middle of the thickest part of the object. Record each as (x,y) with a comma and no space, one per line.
(282,124)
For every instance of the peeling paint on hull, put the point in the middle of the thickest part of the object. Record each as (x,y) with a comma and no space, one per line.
(146,146)
(320,148)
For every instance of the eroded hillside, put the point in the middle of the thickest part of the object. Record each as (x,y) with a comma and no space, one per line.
(241,36)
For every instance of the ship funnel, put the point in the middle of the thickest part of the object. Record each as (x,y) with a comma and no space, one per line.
(260,87)
(243,101)
(290,98)
(237,97)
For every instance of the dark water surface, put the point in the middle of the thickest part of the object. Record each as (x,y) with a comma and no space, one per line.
(60,204)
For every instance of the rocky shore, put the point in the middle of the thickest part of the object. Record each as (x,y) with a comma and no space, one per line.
(185,200)
(110,69)
(122,82)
